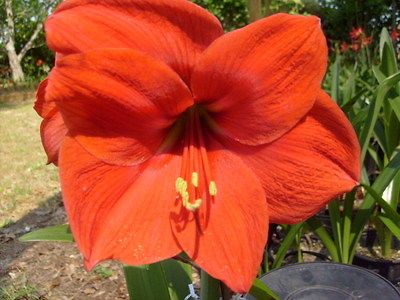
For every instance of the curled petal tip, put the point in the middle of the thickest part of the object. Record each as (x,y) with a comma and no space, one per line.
(90,263)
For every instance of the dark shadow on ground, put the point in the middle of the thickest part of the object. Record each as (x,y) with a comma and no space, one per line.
(52,270)
(50,212)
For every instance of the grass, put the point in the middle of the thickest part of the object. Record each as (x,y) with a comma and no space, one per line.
(25,179)
(103,272)
(12,292)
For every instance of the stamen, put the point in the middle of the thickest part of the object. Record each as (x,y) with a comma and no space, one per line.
(185,199)
(194,164)
(195,179)
(179,184)
(212,188)
(194,206)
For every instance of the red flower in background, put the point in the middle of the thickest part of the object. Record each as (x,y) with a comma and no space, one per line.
(356,33)
(344,47)
(173,136)
(355,47)
(394,34)
(39,63)
(366,40)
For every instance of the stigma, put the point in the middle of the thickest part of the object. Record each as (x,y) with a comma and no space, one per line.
(194,185)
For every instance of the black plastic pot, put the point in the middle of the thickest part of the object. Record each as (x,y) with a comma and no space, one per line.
(390,269)
(328,281)
(387,268)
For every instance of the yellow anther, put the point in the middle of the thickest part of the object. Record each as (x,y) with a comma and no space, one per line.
(195,179)
(197,203)
(212,188)
(185,199)
(180,186)
(193,206)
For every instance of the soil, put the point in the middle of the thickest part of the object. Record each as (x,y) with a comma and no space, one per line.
(376,252)
(51,270)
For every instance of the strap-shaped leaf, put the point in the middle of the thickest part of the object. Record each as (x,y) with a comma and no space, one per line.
(394,228)
(59,233)
(166,280)
(261,291)
(368,204)
(286,243)
(374,110)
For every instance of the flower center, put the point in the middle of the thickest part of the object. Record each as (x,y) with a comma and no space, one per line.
(195,178)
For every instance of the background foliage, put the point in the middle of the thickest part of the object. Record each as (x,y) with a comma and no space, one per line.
(27,13)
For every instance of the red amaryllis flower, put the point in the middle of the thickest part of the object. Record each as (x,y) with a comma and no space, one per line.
(180,138)
(394,34)
(355,47)
(366,40)
(356,33)
(39,63)
(344,47)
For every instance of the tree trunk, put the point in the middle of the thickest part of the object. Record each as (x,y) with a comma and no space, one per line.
(267,5)
(255,9)
(15,64)
(14,60)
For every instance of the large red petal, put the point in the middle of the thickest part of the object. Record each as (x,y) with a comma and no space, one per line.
(119,212)
(230,247)
(259,81)
(117,103)
(52,128)
(43,107)
(52,132)
(173,31)
(310,165)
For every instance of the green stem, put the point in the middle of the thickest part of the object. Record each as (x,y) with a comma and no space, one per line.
(347,218)
(387,242)
(210,287)
(336,220)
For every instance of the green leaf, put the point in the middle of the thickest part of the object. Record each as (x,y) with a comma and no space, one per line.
(346,106)
(336,79)
(336,222)
(347,220)
(210,287)
(395,104)
(387,53)
(285,245)
(388,56)
(261,291)
(378,74)
(374,110)
(179,276)
(395,229)
(391,213)
(166,280)
(324,236)
(59,233)
(367,207)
